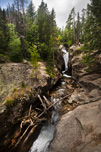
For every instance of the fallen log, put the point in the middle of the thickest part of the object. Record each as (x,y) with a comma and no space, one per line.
(19,140)
(58,101)
(53,105)
(30,110)
(47,101)
(43,104)
(29,134)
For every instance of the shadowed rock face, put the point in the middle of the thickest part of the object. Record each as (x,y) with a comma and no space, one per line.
(24,83)
(79,130)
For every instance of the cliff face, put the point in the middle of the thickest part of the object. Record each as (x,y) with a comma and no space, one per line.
(20,85)
(79,130)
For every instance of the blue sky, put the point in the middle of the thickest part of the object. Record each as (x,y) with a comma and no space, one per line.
(61,7)
(4,3)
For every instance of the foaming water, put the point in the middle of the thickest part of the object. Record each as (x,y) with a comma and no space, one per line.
(46,135)
(47,132)
(44,139)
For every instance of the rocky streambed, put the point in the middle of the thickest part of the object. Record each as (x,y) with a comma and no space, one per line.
(78,128)
(62,90)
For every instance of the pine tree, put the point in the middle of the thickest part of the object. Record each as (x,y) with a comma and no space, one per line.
(93,26)
(15,53)
(70,28)
(42,17)
(32,35)
(83,21)
(31,12)
(78,28)
(4,33)
(23,4)
(92,33)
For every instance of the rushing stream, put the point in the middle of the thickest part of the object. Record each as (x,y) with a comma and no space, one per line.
(47,132)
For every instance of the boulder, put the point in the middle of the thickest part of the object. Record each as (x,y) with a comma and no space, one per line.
(79,130)
(90,81)
(84,97)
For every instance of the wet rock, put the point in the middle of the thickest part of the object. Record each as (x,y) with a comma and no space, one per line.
(79,130)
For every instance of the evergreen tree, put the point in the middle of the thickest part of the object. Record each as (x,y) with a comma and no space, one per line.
(36,29)
(4,33)
(93,26)
(78,30)
(42,17)
(70,28)
(32,35)
(31,12)
(83,21)
(92,32)
(14,45)
(23,4)
(53,23)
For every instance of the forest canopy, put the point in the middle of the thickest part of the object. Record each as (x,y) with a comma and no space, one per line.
(23,29)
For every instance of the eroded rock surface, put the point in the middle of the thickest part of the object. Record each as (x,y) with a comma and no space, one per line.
(79,130)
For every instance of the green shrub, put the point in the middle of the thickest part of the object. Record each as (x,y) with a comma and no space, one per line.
(50,71)
(10,103)
(22,84)
(34,55)
(15,54)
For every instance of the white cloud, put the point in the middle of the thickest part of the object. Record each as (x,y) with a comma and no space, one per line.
(63,8)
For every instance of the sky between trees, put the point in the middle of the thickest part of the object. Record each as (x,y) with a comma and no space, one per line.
(61,7)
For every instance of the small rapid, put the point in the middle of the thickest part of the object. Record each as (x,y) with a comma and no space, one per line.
(44,139)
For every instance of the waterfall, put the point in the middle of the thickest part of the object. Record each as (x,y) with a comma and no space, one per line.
(66,60)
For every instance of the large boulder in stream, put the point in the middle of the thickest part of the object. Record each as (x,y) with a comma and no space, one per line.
(79,130)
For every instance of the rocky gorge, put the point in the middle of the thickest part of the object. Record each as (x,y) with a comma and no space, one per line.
(77,130)
(80,130)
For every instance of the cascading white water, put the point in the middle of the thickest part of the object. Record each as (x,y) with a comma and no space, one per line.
(66,60)
(43,140)
(47,132)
